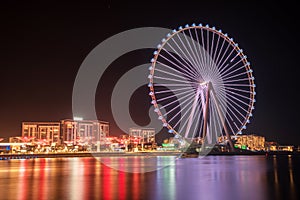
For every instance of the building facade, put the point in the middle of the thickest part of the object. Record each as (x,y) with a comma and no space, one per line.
(145,135)
(84,131)
(66,131)
(251,142)
(48,131)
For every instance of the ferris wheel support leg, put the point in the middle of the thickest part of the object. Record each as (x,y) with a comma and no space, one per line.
(222,119)
(192,112)
(206,112)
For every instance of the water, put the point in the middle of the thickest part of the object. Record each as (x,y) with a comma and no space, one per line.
(212,177)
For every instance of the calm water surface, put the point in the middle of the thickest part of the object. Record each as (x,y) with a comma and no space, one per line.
(212,177)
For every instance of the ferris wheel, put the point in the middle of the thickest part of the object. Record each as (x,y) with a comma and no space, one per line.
(201,84)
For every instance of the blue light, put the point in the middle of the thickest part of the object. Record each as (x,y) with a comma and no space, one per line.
(236,44)
(200,25)
(158,46)
(180,28)
(150,68)
(186,26)
(193,25)
(213,28)
(150,85)
(207,26)
(244,127)
(156,110)
(155,52)
(254,93)
(226,35)
(168,35)
(160,117)
(174,31)
(153,102)
(163,40)
(152,60)
(170,131)
(150,76)
(220,31)
(150,93)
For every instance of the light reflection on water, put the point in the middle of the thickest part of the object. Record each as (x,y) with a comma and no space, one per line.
(212,177)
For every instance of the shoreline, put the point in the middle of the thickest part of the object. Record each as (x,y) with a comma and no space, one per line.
(129,154)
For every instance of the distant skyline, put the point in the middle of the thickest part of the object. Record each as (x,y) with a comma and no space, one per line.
(43,46)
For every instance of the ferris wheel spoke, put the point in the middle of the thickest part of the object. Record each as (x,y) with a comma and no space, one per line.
(172,79)
(225,107)
(186,122)
(171,96)
(235,111)
(196,53)
(235,98)
(219,54)
(185,48)
(182,109)
(172,85)
(185,69)
(171,90)
(186,65)
(224,53)
(236,85)
(200,52)
(216,48)
(193,56)
(229,68)
(240,95)
(233,76)
(221,66)
(171,74)
(184,57)
(205,50)
(239,90)
(236,80)
(186,97)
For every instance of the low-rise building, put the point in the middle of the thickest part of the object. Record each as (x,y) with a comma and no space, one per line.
(250,142)
(143,135)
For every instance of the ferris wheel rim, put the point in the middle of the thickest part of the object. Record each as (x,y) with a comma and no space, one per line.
(226,38)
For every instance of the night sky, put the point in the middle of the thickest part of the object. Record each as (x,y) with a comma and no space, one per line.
(43,45)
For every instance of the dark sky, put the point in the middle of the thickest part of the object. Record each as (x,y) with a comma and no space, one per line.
(43,45)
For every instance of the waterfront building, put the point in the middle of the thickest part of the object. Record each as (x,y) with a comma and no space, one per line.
(47,131)
(250,142)
(84,131)
(142,135)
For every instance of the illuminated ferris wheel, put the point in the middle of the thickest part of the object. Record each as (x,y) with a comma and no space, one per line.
(201,83)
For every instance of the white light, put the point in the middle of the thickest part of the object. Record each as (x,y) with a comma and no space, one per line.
(77,118)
